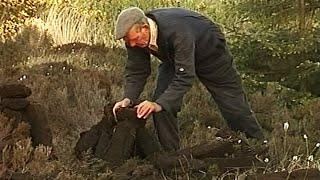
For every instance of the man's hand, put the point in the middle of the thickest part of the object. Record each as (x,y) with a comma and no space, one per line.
(124,103)
(145,108)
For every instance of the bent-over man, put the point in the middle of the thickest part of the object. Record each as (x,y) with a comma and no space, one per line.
(189,45)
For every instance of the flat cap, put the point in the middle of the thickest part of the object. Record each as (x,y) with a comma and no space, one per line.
(126,19)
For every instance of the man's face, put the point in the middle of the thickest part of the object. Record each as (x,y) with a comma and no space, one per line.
(138,36)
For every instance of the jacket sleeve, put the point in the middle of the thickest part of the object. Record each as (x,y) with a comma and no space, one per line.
(184,62)
(137,70)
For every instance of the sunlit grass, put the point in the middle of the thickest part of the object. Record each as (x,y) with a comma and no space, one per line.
(93,22)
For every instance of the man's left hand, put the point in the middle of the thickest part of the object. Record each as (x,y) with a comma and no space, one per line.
(145,108)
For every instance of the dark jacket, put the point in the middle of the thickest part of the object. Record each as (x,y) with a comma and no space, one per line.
(187,40)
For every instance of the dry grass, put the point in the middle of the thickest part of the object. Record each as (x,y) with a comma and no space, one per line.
(68,24)
(18,155)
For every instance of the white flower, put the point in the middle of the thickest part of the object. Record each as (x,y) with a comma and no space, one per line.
(286,126)
(305,136)
(318,145)
(20,79)
(310,158)
(47,74)
(24,77)
(266,160)
(265,141)
(70,70)
(239,141)
(63,68)
(209,127)
(203,172)
(295,158)
(51,66)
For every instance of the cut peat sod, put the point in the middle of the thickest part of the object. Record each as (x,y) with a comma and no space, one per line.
(117,141)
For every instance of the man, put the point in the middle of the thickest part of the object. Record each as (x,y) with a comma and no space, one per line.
(189,45)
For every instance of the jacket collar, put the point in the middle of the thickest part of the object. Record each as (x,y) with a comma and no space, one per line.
(153,35)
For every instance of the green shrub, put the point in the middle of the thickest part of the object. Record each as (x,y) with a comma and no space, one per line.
(15,13)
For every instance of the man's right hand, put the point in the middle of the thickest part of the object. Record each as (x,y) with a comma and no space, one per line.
(124,103)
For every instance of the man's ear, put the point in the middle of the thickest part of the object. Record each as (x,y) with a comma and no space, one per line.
(145,25)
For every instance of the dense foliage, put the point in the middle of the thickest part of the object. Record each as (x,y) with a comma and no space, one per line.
(14,13)
(285,30)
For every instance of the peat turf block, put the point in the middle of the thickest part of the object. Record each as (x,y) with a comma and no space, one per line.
(14,91)
(15,103)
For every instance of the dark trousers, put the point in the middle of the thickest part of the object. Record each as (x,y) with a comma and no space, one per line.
(166,124)
(224,83)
